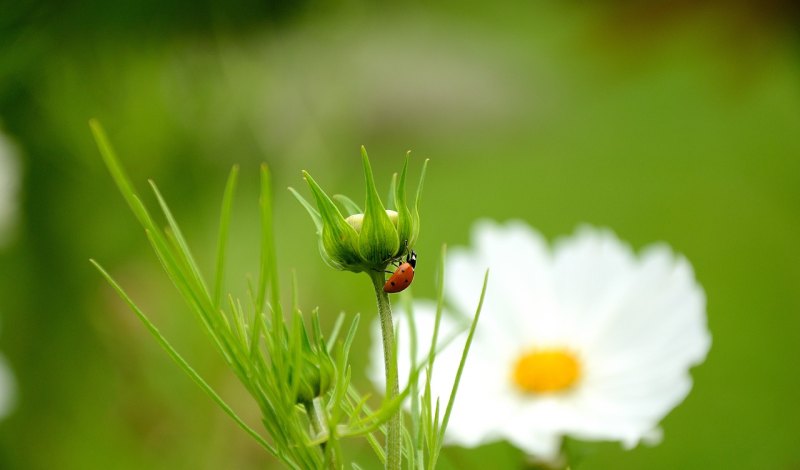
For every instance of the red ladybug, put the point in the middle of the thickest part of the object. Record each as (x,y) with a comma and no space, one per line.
(402,276)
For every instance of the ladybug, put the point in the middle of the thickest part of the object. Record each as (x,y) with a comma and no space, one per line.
(402,276)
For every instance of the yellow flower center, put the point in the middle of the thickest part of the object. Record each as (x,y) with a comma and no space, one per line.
(546,371)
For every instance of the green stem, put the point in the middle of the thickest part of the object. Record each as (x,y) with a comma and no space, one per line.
(390,362)
(316,415)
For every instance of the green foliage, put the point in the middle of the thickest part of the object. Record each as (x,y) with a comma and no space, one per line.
(300,381)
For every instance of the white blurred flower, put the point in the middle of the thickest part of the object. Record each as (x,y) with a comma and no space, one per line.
(7,388)
(9,177)
(586,339)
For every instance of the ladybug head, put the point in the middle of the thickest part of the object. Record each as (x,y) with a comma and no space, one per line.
(412,259)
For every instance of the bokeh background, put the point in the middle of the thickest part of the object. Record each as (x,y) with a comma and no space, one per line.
(670,121)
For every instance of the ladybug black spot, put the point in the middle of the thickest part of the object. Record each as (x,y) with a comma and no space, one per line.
(392,282)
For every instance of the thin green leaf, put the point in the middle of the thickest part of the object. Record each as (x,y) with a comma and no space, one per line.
(417,202)
(342,382)
(297,340)
(295,295)
(439,309)
(339,393)
(405,221)
(183,247)
(357,409)
(224,225)
(408,448)
(350,207)
(464,354)
(118,173)
(373,442)
(181,362)
(372,421)
(434,455)
(334,334)
(412,326)
(376,419)
(237,318)
(267,259)
(351,335)
(310,209)
(179,279)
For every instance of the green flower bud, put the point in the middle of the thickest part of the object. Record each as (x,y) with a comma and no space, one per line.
(317,372)
(369,239)
(316,376)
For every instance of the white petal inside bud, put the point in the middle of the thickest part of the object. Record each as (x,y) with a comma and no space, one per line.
(357,220)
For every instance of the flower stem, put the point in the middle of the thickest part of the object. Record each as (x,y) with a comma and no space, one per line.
(390,362)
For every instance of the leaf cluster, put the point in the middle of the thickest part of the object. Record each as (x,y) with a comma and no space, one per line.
(300,381)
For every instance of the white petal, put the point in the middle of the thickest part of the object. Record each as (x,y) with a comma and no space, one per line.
(591,270)
(7,388)
(9,180)
(642,332)
(653,437)
(661,306)
(544,445)
(519,281)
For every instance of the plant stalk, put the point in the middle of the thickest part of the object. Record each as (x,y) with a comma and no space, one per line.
(393,455)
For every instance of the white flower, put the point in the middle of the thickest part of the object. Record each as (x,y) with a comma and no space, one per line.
(9,176)
(7,388)
(586,339)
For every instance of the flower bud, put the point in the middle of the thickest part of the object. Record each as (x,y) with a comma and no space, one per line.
(369,239)
(316,377)
(317,372)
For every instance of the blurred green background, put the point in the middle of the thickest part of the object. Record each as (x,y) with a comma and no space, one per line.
(673,120)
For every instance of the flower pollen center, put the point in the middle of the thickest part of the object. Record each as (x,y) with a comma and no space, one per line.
(546,371)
